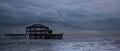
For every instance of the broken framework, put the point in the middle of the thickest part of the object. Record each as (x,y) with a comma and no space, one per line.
(36,31)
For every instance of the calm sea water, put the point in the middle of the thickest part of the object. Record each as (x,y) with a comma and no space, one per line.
(73,43)
(52,45)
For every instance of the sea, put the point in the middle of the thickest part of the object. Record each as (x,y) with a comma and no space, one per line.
(71,42)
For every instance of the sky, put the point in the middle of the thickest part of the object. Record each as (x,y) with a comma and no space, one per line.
(63,16)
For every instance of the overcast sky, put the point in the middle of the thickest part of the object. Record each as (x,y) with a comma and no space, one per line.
(67,16)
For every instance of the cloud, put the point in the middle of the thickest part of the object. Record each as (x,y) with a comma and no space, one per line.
(61,14)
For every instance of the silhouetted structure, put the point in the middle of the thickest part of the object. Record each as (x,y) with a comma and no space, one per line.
(15,36)
(36,31)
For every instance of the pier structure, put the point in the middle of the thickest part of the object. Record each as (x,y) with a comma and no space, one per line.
(15,36)
(36,31)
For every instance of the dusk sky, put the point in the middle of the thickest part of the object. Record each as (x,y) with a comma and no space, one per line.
(64,16)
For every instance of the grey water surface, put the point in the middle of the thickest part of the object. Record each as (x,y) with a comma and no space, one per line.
(73,43)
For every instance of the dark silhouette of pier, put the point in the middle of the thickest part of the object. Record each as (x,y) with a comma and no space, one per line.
(36,31)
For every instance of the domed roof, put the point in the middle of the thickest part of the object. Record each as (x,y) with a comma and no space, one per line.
(37,26)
